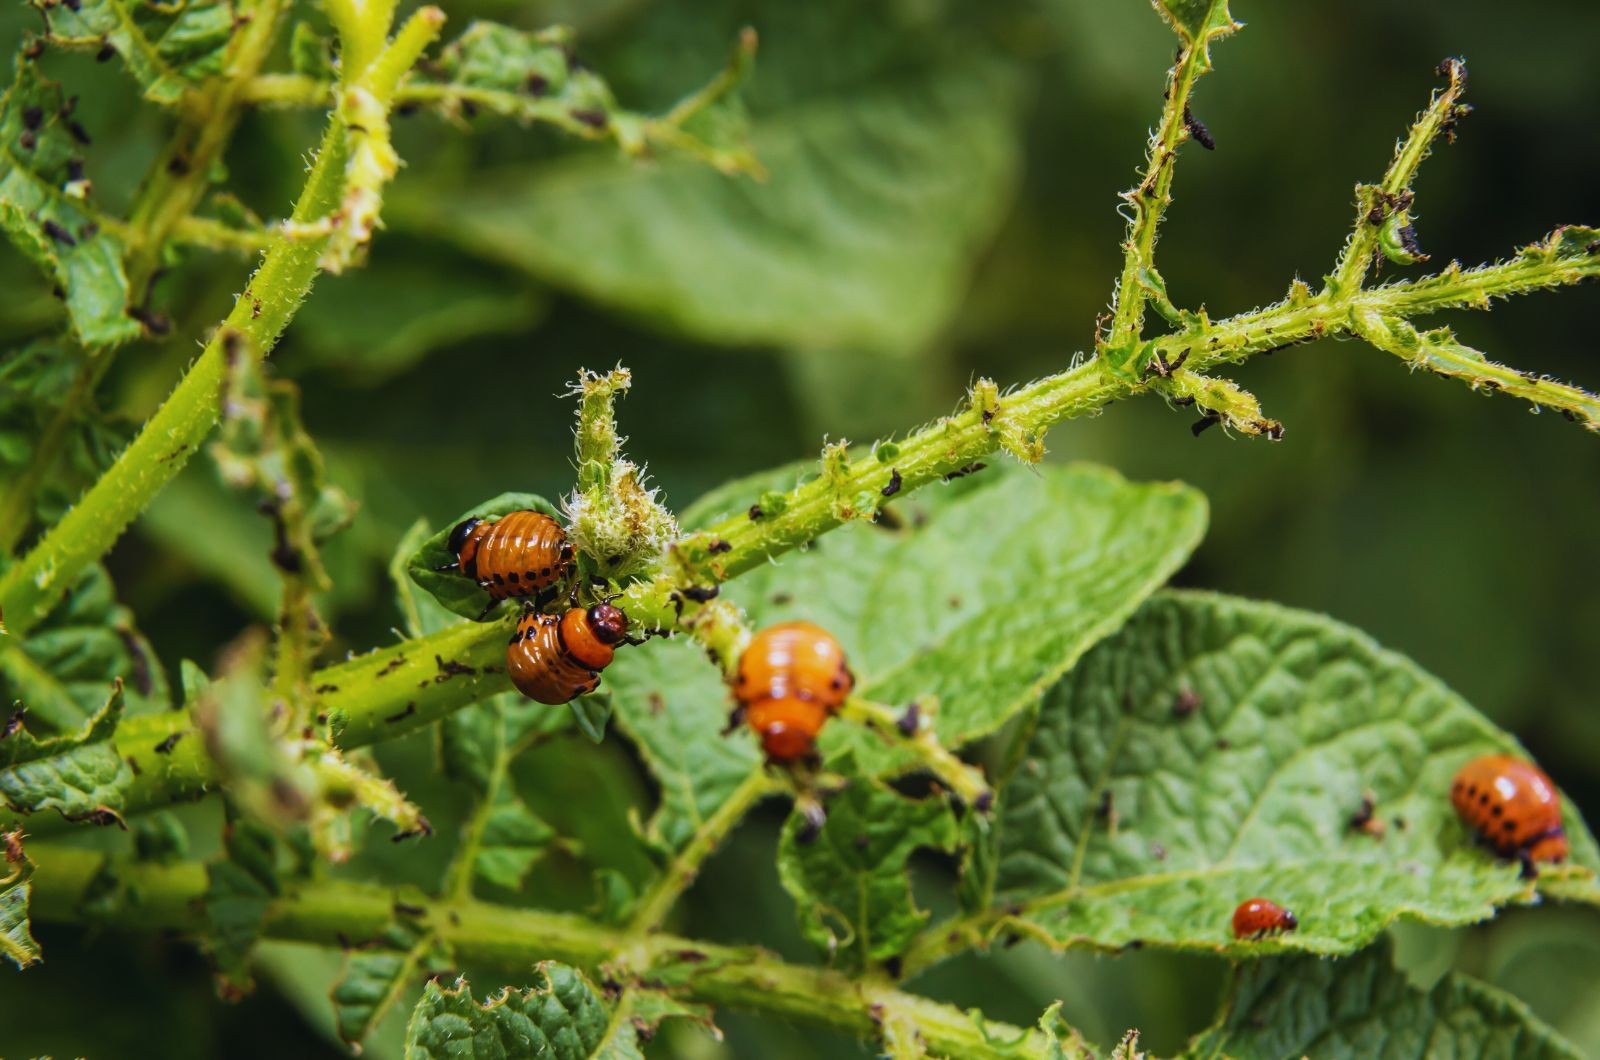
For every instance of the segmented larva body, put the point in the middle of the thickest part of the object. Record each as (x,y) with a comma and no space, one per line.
(554,659)
(519,554)
(790,681)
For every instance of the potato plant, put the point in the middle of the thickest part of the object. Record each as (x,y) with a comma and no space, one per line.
(1087,757)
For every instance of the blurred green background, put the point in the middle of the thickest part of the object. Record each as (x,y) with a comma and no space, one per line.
(941,205)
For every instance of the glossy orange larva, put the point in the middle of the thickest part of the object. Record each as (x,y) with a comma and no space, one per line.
(554,659)
(1259,917)
(1513,807)
(522,553)
(789,681)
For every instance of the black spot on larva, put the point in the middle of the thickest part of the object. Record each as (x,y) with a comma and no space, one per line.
(1483,800)
(499,579)
(544,572)
(1472,791)
(1498,810)
(515,577)
(1507,826)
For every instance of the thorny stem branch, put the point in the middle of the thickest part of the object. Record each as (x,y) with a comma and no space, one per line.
(1150,199)
(174,186)
(1375,206)
(514,939)
(32,585)
(391,691)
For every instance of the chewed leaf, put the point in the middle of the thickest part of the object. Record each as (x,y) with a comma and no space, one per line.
(1218,749)
(44,208)
(167,47)
(561,1017)
(450,587)
(1197,21)
(78,774)
(16,940)
(374,978)
(1364,1007)
(537,77)
(999,609)
(849,880)
(61,670)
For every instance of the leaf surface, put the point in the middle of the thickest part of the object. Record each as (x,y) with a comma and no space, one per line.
(44,208)
(850,881)
(889,162)
(1363,1006)
(1218,749)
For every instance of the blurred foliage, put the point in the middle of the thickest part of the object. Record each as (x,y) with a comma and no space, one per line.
(940,204)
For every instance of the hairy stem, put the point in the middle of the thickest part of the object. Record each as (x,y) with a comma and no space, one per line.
(391,691)
(1150,199)
(171,436)
(172,189)
(514,939)
(33,585)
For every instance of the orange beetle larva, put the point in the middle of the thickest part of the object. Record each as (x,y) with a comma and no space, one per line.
(789,681)
(555,659)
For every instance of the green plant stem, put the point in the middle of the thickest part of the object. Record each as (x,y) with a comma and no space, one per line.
(392,691)
(680,874)
(172,435)
(514,939)
(33,585)
(967,782)
(1362,247)
(172,189)
(1150,199)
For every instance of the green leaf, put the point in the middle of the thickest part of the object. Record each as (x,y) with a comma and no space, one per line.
(513,838)
(849,882)
(78,774)
(376,322)
(997,612)
(457,593)
(672,703)
(1362,1006)
(1216,749)
(61,670)
(241,885)
(560,1017)
(1197,20)
(536,77)
(36,381)
(167,47)
(1000,607)
(374,978)
(16,940)
(45,212)
(890,163)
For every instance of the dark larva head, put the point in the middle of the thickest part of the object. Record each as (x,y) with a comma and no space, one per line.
(458,536)
(609,624)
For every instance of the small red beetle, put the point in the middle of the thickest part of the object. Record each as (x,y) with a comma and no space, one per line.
(1259,917)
